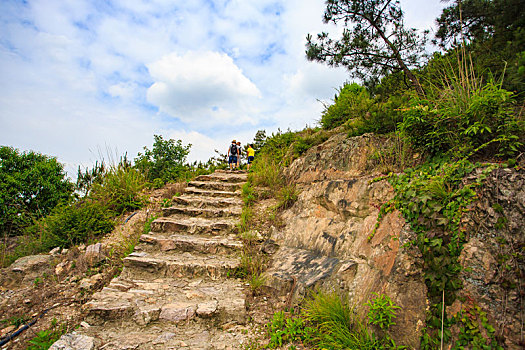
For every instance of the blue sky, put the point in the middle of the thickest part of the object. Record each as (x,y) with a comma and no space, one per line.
(81,79)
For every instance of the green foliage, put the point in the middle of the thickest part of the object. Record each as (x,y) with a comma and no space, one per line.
(246,218)
(147,225)
(338,326)
(16,321)
(72,224)
(44,339)
(164,161)
(31,185)
(287,196)
(120,189)
(374,41)
(464,119)
(475,330)
(88,177)
(493,30)
(248,196)
(352,102)
(382,311)
(166,203)
(266,172)
(433,198)
(283,330)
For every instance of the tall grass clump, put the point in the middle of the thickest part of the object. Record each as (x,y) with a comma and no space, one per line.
(266,172)
(463,115)
(121,189)
(338,324)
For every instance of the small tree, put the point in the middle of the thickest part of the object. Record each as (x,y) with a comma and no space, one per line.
(374,42)
(165,161)
(31,185)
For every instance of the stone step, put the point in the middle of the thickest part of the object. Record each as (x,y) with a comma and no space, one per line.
(225,177)
(194,226)
(216,185)
(211,193)
(188,335)
(185,243)
(202,212)
(151,265)
(207,202)
(168,300)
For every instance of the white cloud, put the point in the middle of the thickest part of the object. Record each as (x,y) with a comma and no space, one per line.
(200,87)
(80,75)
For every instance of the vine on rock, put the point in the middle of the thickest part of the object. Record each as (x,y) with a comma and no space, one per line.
(433,199)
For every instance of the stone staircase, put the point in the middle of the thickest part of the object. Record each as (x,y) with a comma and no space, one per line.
(177,289)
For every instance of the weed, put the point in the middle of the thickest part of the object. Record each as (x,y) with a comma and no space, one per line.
(246,219)
(257,281)
(382,311)
(44,339)
(16,321)
(147,225)
(166,203)
(287,196)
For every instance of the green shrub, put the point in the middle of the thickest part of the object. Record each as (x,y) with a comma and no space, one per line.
(266,172)
(44,339)
(73,224)
(382,311)
(283,330)
(120,190)
(164,161)
(338,325)
(31,185)
(353,101)
(463,119)
(147,225)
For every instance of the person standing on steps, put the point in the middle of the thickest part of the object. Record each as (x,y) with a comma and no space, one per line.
(239,153)
(232,155)
(250,152)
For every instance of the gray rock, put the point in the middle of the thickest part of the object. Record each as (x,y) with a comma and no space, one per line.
(177,312)
(55,251)
(94,254)
(73,341)
(30,263)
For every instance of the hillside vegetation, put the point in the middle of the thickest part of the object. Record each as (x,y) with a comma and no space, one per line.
(454,114)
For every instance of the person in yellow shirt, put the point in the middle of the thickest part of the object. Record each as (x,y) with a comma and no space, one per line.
(251,154)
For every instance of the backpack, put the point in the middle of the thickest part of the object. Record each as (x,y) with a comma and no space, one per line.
(233,149)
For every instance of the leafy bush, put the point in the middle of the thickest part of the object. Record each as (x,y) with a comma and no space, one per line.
(353,101)
(283,330)
(73,224)
(31,185)
(44,339)
(382,311)
(164,161)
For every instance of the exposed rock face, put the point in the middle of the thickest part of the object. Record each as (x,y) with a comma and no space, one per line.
(338,158)
(326,242)
(493,258)
(328,229)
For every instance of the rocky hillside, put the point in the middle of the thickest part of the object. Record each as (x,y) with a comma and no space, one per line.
(328,241)
(178,288)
